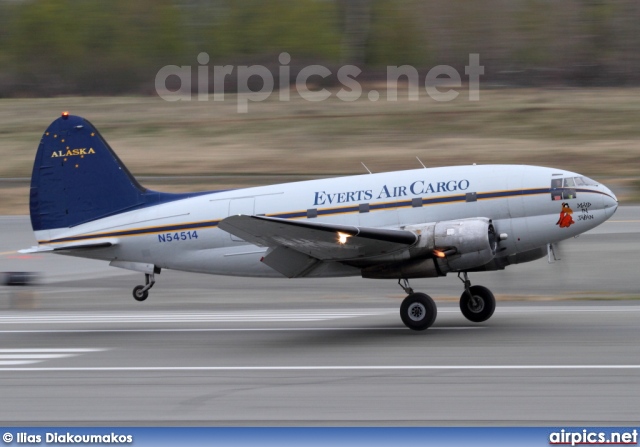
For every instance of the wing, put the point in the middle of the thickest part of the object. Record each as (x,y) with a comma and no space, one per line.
(297,246)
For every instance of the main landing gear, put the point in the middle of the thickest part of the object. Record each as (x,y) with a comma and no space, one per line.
(141,293)
(418,310)
(477,303)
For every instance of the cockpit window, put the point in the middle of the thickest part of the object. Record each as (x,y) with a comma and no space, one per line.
(589,182)
(579,181)
(563,189)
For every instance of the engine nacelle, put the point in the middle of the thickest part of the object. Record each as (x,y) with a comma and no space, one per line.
(449,246)
(464,243)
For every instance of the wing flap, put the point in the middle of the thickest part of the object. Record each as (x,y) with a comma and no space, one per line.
(291,263)
(327,242)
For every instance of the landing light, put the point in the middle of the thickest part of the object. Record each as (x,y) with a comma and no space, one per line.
(342,237)
(444,253)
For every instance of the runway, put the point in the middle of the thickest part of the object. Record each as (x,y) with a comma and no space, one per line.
(206,350)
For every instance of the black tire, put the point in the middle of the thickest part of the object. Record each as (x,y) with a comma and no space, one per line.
(139,295)
(418,311)
(479,306)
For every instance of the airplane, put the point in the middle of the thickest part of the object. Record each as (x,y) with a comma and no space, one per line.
(421,223)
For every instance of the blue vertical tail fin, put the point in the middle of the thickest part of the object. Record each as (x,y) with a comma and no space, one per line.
(78,178)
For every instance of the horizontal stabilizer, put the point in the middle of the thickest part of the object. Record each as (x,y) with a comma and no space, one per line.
(69,247)
(327,242)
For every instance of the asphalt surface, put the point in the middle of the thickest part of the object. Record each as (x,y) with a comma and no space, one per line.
(562,347)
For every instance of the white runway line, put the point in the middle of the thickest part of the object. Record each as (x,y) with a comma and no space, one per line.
(63,350)
(17,362)
(570,309)
(27,356)
(34,356)
(157,317)
(325,368)
(276,329)
(269,316)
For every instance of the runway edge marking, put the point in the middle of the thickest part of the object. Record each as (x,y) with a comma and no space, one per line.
(321,368)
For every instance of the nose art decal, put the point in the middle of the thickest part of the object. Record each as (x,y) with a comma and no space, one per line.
(565,220)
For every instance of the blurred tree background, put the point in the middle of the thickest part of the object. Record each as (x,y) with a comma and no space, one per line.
(53,47)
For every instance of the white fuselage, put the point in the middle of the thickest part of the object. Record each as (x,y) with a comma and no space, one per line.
(183,235)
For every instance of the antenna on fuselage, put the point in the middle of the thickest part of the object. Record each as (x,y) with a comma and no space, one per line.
(421,162)
(365,166)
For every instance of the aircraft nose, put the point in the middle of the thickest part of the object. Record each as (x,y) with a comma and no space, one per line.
(610,202)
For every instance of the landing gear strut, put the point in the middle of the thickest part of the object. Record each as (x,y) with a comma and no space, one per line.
(477,303)
(141,293)
(418,311)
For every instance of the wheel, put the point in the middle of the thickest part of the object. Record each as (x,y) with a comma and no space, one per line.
(139,295)
(418,311)
(479,306)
